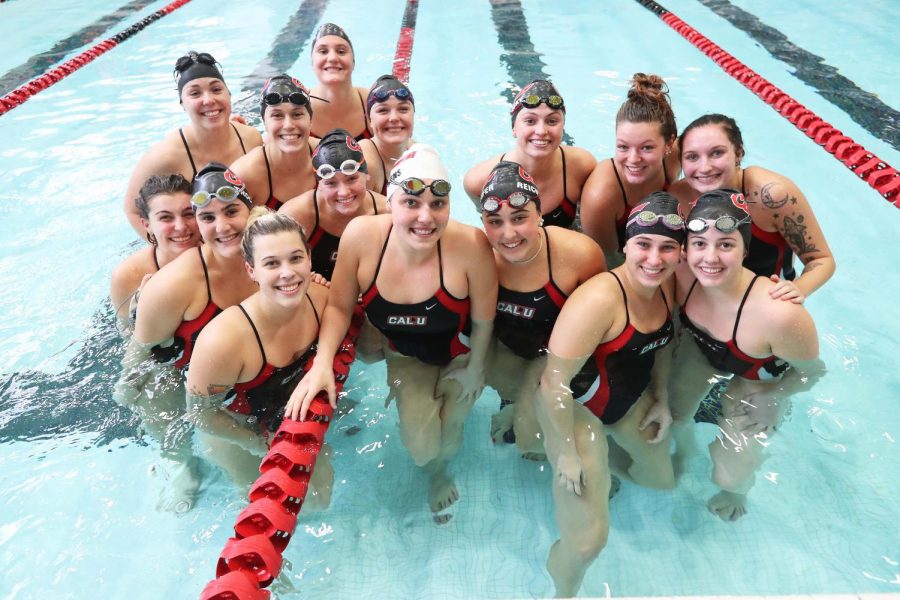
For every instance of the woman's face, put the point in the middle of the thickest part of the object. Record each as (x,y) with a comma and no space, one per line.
(715,257)
(420,220)
(538,131)
(332,59)
(651,258)
(640,151)
(345,193)
(221,226)
(392,120)
(281,266)
(288,126)
(514,233)
(172,222)
(709,159)
(207,102)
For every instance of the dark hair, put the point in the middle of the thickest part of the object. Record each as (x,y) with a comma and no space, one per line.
(728,124)
(268,223)
(160,184)
(648,102)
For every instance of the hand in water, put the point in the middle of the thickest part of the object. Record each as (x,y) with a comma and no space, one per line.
(317,379)
(660,414)
(570,473)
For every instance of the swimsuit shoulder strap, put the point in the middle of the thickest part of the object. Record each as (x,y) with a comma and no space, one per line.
(666,302)
(624,297)
(205,274)
(381,256)
(316,208)
(686,298)
(621,186)
(188,150)
(315,312)
(155,258)
(743,189)
(737,319)
(262,350)
(502,156)
(565,188)
(268,171)
(549,265)
(374,205)
(240,139)
(440,266)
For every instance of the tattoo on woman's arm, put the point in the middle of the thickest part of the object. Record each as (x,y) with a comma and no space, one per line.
(795,235)
(768,199)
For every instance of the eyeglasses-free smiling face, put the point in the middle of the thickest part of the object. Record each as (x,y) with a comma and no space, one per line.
(715,257)
(392,120)
(207,101)
(640,151)
(281,266)
(514,232)
(332,59)
(288,126)
(538,131)
(221,225)
(651,258)
(709,159)
(172,222)
(345,193)
(420,218)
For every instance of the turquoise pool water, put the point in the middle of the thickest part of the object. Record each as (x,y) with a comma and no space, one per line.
(78,517)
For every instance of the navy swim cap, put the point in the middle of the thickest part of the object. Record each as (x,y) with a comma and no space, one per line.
(336,147)
(509,182)
(386,86)
(215,176)
(283,88)
(331,29)
(535,93)
(716,204)
(656,214)
(195,65)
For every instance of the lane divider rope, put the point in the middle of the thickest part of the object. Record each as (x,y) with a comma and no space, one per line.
(39,84)
(876,172)
(403,54)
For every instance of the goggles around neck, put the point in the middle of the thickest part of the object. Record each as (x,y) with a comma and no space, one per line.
(648,218)
(226,194)
(415,186)
(348,167)
(297,98)
(515,200)
(725,224)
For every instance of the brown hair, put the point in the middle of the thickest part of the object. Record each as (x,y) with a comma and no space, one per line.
(648,102)
(732,131)
(160,184)
(264,222)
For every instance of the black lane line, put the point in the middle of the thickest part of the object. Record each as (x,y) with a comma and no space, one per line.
(39,63)
(522,61)
(863,107)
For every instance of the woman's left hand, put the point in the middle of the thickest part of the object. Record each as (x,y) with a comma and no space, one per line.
(785,289)
(470,379)
(660,414)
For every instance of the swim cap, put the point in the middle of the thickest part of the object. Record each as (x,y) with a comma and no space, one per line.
(283,88)
(537,92)
(385,87)
(419,160)
(195,65)
(331,29)
(509,182)
(714,205)
(656,214)
(210,181)
(337,147)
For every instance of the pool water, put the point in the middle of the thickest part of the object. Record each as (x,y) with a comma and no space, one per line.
(78,504)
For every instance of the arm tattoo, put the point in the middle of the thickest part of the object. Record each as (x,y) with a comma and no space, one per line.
(213,397)
(773,203)
(795,235)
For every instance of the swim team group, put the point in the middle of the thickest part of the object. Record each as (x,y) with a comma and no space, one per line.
(601,343)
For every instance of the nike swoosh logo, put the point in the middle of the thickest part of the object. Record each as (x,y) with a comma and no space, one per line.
(539,298)
(430,307)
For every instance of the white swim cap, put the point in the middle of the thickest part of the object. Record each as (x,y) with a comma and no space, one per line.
(419,160)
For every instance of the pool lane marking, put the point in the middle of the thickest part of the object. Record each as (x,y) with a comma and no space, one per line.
(876,172)
(35,86)
(403,54)
(287,46)
(523,63)
(863,107)
(38,63)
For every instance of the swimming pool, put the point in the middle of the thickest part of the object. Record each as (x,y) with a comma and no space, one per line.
(78,517)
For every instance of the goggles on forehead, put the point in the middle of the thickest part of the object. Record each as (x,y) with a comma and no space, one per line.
(381,95)
(648,218)
(534,100)
(725,224)
(298,98)
(194,57)
(515,200)
(226,194)
(348,167)
(415,186)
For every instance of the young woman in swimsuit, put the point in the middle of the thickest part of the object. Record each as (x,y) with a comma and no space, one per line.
(339,197)
(337,104)
(606,374)
(391,110)
(784,223)
(538,118)
(539,267)
(210,136)
(733,327)
(249,358)
(164,203)
(432,291)
(174,306)
(282,167)
(644,162)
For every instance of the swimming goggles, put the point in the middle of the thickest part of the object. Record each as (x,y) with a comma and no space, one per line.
(298,98)
(381,95)
(515,200)
(534,100)
(348,167)
(415,186)
(648,218)
(725,224)
(194,57)
(226,194)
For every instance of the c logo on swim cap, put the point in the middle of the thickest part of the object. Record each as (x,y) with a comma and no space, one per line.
(351,143)
(233,179)
(524,174)
(298,84)
(739,201)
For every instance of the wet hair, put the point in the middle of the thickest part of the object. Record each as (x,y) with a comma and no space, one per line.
(732,131)
(194,65)
(648,102)
(160,184)
(265,222)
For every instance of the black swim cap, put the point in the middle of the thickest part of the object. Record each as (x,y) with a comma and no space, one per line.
(723,203)
(214,176)
(656,214)
(336,147)
(195,65)
(331,29)
(386,86)
(508,179)
(285,86)
(541,89)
